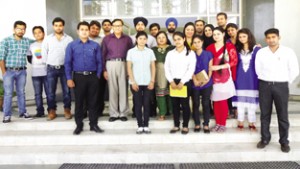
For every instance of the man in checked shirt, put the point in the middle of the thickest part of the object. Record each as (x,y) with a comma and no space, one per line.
(13,50)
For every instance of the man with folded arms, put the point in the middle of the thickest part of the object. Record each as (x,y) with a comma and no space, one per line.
(83,59)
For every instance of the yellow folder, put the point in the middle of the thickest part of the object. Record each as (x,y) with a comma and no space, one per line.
(178,93)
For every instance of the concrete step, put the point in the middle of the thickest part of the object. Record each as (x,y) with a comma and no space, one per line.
(124,137)
(147,153)
(41,124)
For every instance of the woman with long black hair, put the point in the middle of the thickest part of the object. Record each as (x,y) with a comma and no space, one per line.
(179,68)
(225,57)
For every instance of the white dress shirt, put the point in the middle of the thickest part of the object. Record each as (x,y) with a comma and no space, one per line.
(53,50)
(280,66)
(180,66)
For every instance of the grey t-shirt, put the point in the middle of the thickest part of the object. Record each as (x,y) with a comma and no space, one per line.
(39,68)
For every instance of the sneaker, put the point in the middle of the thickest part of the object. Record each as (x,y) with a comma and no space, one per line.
(25,116)
(140,130)
(6,119)
(147,130)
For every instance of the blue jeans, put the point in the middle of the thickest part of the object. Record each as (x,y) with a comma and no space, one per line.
(52,78)
(38,83)
(9,79)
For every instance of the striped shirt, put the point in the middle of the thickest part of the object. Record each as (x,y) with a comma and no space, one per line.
(53,50)
(13,51)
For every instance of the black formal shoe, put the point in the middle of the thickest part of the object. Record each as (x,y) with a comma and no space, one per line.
(262,144)
(77,131)
(123,118)
(285,148)
(112,119)
(96,129)
(38,115)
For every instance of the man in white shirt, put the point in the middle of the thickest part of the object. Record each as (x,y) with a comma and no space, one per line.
(53,52)
(276,66)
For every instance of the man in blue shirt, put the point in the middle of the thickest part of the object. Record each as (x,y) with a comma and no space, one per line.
(83,60)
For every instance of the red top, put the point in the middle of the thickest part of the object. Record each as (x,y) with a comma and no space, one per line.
(232,60)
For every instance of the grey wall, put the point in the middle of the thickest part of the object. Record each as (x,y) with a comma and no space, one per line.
(66,9)
(258,16)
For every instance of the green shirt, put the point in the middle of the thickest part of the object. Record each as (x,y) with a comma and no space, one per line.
(161,54)
(13,51)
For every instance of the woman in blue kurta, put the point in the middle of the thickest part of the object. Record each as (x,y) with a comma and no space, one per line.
(203,89)
(246,83)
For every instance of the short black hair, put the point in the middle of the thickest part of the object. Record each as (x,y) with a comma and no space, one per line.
(19,23)
(83,23)
(154,25)
(272,31)
(38,27)
(106,20)
(200,20)
(58,19)
(197,37)
(94,22)
(222,13)
(116,20)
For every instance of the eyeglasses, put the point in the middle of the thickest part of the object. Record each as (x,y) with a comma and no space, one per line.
(118,26)
(20,29)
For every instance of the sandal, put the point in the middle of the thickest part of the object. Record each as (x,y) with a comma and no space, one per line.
(221,129)
(216,128)
(252,127)
(161,118)
(241,127)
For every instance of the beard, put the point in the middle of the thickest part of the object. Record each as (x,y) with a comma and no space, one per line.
(171,30)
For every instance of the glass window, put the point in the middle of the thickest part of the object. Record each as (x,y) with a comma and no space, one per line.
(228,6)
(137,7)
(158,10)
(96,8)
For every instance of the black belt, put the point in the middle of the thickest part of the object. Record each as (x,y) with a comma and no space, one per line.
(15,68)
(85,73)
(56,67)
(272,82)
(116,59)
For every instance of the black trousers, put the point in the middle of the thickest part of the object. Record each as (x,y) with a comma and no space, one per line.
(142,99)
(102,96)
(184,103)
(205,101)
(277,92)
(86,88)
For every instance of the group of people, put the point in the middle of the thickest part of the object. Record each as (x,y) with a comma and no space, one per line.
(239,73)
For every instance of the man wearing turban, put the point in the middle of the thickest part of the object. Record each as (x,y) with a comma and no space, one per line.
(171,25)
